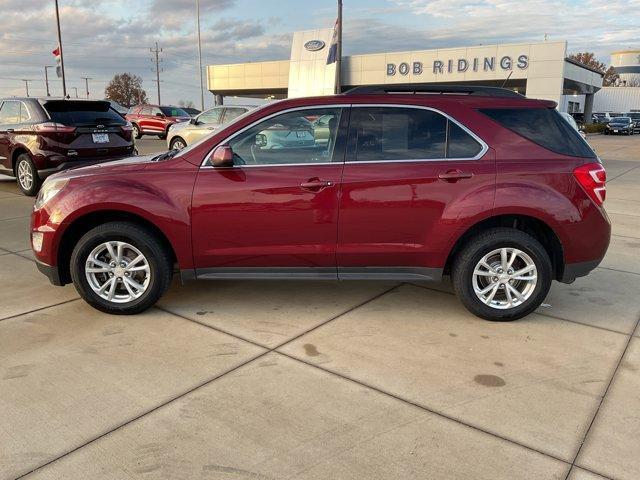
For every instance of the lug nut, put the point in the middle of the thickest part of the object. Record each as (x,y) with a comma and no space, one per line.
(112,264)
(123,264)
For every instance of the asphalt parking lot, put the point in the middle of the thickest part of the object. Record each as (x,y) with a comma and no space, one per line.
(324,380)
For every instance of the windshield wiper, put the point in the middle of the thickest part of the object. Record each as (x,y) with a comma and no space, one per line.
(165,156)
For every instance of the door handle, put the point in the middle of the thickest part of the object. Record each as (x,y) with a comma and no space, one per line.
(9,130)
(452,176)
(315,184)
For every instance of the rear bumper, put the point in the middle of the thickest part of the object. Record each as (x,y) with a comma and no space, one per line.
(51,272)
(580,269)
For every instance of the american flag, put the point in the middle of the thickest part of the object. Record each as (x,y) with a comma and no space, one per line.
(56,53)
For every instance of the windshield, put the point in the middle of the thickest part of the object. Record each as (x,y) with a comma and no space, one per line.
(238,119)
(173,112)
(75,113)
(621,120)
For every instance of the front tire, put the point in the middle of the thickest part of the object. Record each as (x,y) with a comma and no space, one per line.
(26,175)
(502,274)
(121,268)
(177,143)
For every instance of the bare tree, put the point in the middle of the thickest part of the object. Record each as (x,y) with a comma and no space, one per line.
(126,89)
(589,59)
(186,104)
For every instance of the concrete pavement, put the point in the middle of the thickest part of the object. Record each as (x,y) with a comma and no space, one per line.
(310,380)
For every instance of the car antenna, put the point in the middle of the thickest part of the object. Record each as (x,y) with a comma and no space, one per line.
(506,79)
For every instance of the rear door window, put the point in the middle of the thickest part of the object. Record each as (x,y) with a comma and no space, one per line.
(68,112)
(10,112)
(231,114)
(543,126)
(397,134)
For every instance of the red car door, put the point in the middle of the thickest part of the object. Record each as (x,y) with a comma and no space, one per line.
(275,212)
(412,175)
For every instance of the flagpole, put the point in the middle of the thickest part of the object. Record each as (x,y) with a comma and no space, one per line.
(338,87)
(64,82)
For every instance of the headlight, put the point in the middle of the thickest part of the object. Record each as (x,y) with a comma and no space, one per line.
(50,188)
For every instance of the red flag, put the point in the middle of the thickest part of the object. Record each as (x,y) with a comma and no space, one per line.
(56,52)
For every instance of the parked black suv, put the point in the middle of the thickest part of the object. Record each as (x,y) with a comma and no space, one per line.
(41,136)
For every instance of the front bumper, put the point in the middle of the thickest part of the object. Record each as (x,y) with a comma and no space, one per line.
(51,272)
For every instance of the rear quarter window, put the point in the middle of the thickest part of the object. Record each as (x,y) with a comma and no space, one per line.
(543,126)
(83,113)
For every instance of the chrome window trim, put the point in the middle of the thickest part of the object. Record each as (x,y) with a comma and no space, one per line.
(478,156)
(251,125)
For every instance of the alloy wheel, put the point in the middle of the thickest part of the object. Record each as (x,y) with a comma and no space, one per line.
(117,272)
(25,175)
(178,144)
(504,278)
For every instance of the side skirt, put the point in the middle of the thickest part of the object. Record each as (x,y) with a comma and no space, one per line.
(320,273)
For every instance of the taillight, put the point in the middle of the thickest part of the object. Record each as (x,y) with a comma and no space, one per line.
(127,128)
(592,177)
(52,127)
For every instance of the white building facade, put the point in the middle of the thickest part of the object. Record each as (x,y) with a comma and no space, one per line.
(537,70)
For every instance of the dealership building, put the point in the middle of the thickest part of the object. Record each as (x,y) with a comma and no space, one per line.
(537,70)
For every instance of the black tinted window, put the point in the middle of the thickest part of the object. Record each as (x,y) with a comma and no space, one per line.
(399,134)
(68,112)
(460,144)
(174,112)
(543,126)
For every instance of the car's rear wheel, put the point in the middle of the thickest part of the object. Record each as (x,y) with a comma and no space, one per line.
(177,143)
(27,175)
(137,133)
(121,268)
(502,274)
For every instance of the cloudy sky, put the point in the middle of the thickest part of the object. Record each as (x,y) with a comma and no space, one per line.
(104,37)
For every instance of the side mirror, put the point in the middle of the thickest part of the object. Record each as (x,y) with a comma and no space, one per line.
(193,121)
(222,156)
(261,140)
(159,114)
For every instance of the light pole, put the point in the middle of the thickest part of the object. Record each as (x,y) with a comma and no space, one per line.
(200,56)
(76,89)
(339,53)
(46,78)
(26,84)
(86,83)
(64,83)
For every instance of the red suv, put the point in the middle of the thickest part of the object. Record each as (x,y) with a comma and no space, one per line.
(41,136)
(482,184)
(155,119)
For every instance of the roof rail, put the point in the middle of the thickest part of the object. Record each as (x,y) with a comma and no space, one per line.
(434,89)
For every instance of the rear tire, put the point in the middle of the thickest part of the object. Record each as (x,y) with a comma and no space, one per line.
(27,175)
(106,255)
(470,278)
(137,133)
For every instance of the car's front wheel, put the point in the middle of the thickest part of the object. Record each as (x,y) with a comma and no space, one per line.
(177,143)
(121,268)
(502,274)
(27,175)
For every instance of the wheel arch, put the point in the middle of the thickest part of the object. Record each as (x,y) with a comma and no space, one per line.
(533,226)
(19,150)
(86,222)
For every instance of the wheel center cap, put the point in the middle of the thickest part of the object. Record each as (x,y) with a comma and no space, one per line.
(118,272)
(504,276)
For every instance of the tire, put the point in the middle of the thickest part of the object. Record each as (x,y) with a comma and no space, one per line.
(533,291)
(176,140)
(155,280)
(137,133)
(27,175)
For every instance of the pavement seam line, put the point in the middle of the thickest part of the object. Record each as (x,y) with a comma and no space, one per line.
(623,173)
(619,271)
(604,395)
(266,351)
(541,313)
(145,413)
(422,407)
(39,309)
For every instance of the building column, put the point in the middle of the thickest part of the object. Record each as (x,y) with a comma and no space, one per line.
(588,107)
(219,99)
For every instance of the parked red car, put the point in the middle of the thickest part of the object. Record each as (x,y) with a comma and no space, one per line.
(41,136)
(155,119)
(481,184)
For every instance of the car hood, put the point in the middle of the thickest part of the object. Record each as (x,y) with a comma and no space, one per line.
(128,164)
